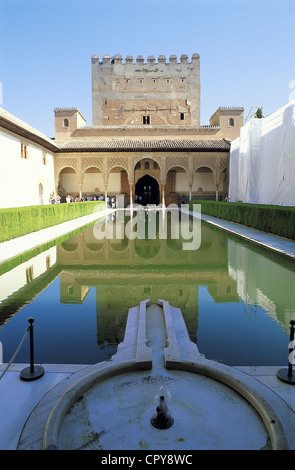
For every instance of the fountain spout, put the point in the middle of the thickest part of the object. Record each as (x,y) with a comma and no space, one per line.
(162,420)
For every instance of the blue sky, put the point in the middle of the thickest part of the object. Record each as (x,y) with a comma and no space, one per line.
(246,49)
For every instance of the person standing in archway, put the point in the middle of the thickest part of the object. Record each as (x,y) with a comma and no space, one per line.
(145,195)
(150,195)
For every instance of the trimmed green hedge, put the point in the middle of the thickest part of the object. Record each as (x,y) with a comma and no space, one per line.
(279,220)
(18,221)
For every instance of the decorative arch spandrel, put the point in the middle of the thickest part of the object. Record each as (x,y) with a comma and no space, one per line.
(92,162)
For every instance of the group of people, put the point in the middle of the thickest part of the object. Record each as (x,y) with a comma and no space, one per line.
(56,199)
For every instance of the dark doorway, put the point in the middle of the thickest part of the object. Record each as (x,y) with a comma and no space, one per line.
(147,191)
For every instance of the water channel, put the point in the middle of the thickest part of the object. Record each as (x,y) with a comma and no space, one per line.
(237,299)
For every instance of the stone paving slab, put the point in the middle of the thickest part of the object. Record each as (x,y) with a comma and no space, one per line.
(18,398)
(272,242)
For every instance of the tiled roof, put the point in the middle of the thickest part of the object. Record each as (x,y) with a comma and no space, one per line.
(111,144)
(10,122)
(146,145)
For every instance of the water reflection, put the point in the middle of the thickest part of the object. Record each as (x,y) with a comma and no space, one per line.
(263,281)
(226,288)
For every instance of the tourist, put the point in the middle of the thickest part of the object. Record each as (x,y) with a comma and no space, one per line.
(68,199)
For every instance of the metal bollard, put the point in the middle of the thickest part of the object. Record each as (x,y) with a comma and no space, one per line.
(32,372)
(286,375)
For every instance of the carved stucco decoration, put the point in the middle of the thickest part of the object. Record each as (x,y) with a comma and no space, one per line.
(105,163)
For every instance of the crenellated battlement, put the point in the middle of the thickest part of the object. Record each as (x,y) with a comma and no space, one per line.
(129,60)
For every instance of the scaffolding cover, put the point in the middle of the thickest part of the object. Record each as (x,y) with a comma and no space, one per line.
(262,160)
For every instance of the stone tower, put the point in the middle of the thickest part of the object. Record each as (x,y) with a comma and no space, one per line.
(137,93)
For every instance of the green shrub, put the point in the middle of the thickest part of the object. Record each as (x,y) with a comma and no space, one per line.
(18,221)
(279,220)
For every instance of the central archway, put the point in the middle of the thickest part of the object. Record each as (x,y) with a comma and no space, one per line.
(147,190)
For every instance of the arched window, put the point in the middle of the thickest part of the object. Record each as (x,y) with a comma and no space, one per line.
(231,122)
(147,165)
(66,123)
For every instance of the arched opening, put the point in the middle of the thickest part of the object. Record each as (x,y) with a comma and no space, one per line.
(118,186)
(68,182)
(147,190)
(91,242)
(177,185)
(92,182)
(147,249)
(71,244)
(204,184)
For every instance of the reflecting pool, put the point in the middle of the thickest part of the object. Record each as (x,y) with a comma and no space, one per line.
(237,299)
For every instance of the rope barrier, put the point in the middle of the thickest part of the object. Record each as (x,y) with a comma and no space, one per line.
(16,353)
(32,372)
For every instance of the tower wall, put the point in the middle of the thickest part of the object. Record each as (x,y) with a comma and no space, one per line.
(146,93)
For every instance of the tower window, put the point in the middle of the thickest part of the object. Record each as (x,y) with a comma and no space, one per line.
(24,151)
(146,120)
(231,122)
(48,262)
(29,274)
(182,116)
(66,123)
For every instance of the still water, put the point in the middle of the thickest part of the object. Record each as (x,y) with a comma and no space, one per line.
(236,299)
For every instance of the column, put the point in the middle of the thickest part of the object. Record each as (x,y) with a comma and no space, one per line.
(216,192)
(217,177)
(191,175)
(132,193)
(163,195)
(80,176)
(106,194)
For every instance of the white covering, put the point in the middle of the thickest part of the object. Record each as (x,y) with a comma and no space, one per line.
(262,160)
